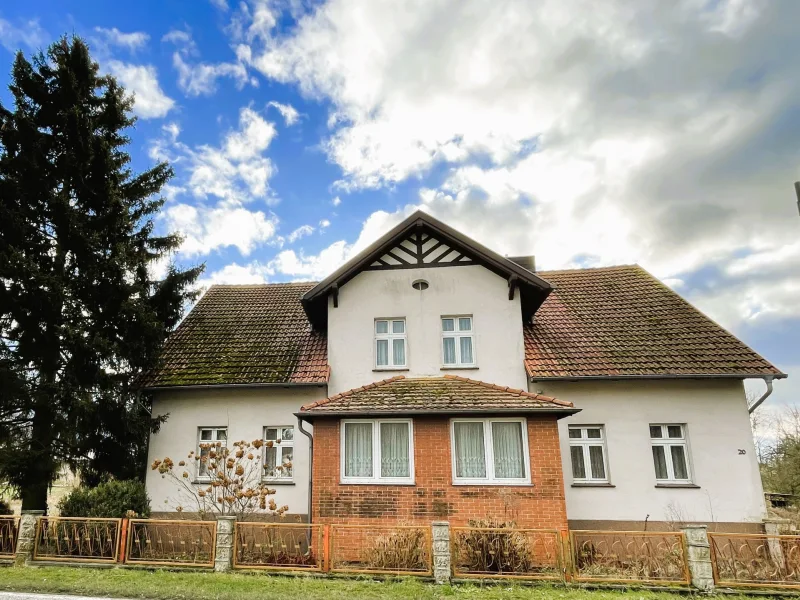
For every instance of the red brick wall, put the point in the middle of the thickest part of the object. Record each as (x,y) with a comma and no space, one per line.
(434,497)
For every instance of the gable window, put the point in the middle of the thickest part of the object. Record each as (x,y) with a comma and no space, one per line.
(390,343)
(670,456)
(278,453)
(457,342)
(588,453)
(490,451)
(377,451)
(209,438)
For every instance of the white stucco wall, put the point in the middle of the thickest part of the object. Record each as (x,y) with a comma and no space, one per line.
(464,290)
(718,427)
(245,412)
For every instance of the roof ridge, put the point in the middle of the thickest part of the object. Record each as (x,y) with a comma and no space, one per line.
(518,392)
(625,266)
(262,285)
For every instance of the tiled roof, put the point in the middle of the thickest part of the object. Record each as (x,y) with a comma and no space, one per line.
(244,334)
(448,394)
(623,322)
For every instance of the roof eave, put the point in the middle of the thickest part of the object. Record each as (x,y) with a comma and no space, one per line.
(561,411)
(218,386)
(779,375)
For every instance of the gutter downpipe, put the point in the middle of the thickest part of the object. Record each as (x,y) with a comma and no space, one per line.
(768,380)
(310,437)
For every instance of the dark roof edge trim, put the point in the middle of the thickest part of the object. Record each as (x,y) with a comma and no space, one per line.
(564,412)
(226,386)
(420,217)
(534,378)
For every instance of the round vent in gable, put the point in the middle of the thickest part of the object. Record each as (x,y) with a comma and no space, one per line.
(420,284)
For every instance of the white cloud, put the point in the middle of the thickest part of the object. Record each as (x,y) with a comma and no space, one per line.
(587,133)
(324,224)
(131,41)
(207,229)
(300,232)
(220,4)
(288,112)
(336,201)
(142,80)
(200,79)
(28,34)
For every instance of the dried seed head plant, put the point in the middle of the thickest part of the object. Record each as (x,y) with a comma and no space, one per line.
(218,480)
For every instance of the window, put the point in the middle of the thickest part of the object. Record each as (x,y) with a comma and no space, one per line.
(490,451)
(670,455)
(379,451)
(457,346)
(209,437)
(587,453)
(390,343)
(278,453)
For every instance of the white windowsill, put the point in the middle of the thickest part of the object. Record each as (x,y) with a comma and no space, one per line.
(376,482)
(381,369)
(592,484)
(459,368)
(678,485)
(278,481)
(494,483)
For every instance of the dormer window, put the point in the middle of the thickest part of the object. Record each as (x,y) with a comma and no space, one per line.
(457,342)
(390,343)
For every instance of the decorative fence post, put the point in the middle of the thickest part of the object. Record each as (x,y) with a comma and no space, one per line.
(26,538)
(440,533)
(223,555)
(699,557)
(773,528)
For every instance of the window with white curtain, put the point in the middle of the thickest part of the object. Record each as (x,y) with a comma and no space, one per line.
(390,343)
(588,453)
(490,451)
(377,451)
(458,348)
(278,453)
(209,438)
(670,453)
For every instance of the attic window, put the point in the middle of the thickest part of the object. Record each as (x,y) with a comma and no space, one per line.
(420,284)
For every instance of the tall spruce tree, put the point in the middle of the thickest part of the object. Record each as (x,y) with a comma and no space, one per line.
(80,313)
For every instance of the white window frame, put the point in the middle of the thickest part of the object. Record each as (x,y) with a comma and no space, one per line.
(215,434)
(278,453)
(376,454)
(389,337)
(585,442)
(488,453)
(667,442)
(457,334)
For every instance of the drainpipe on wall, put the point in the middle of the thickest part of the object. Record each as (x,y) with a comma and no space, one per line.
(765,395)
(310,463)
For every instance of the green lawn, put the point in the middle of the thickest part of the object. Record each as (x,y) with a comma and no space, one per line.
(238,586)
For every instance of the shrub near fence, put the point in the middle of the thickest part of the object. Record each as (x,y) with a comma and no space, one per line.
(284,546)
(506,552)
(77,539)
(629,556)
(751,560)
(9,527)
(171,543)
(400,549)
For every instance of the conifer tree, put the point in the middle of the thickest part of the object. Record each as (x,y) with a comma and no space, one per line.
(81,311)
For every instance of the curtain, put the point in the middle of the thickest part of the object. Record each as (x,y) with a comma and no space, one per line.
(508,456)
(449,345)
(470,455)
(466,350)
(358,449)
(394,450)
(578,468)
(597,462)
(398,352)
(679,462)
(382,353)
(660,460)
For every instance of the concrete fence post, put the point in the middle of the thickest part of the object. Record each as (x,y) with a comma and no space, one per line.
(698,552)
(440,531)
(26,538)
(223,556)
(773,528)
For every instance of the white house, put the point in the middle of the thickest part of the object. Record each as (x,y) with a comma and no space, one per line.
(439,379)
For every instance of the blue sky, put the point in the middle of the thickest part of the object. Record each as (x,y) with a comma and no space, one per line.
(587,133)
